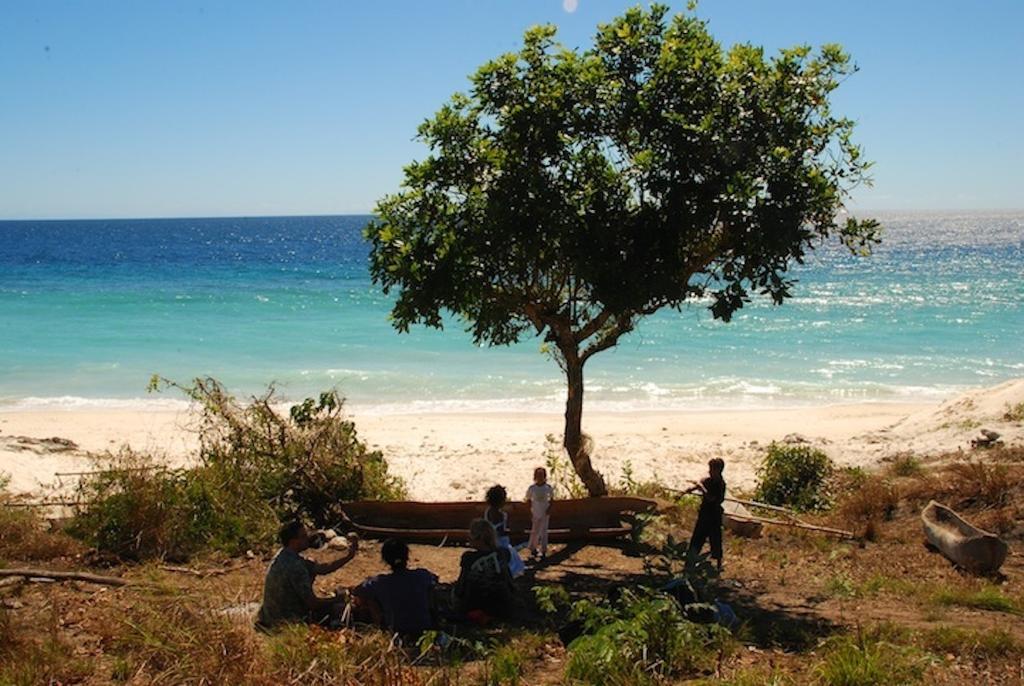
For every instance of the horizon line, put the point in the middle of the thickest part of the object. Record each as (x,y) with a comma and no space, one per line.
(368,213)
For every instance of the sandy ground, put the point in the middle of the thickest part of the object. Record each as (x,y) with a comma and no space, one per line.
(456,456)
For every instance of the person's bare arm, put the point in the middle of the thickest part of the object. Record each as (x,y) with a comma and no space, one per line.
(322,568)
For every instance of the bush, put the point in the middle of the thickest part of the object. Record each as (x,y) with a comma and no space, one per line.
(795,476)
(25,536)
(256,467)
(868,501)
(641,638)
(137,509)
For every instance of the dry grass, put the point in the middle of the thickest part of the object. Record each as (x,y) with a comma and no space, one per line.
(24,535)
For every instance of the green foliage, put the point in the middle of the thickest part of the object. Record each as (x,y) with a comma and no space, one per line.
(643,638)
(137,509)
(906,466)
(864,659)
(795,476)
(570,193)
(255,468)
(551,598)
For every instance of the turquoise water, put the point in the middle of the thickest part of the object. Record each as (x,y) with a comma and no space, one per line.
(90,309)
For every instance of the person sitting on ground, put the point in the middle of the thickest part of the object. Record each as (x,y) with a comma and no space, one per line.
(399,601)
(484,587)
(288,595)
(709,517)
(496,514)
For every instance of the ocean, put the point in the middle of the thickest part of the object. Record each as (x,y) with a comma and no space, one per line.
(89,310)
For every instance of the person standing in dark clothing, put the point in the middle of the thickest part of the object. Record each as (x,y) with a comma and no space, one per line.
(709,517)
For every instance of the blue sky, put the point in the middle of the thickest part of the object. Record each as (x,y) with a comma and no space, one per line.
(142,109)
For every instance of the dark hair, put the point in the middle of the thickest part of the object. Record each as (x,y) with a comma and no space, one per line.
(395,553)
(289,531)
(496,496)
(716,463)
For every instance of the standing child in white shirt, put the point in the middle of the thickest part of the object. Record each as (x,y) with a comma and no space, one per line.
(539,495)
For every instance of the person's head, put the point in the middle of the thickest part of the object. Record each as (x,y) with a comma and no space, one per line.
(716,466)
(294,535)
(540,476)
(395,554)
(482,535)
(496,496)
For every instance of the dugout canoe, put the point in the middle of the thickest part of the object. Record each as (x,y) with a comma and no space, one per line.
(964,544)
(583,519)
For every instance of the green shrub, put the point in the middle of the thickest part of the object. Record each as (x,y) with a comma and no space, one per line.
(138,509)
(641,638)
(906,465)
(256,467)
(795,476)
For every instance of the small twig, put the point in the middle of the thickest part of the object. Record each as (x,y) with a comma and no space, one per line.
(202,573)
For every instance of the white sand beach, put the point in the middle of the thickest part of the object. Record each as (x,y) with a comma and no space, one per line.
(456,456)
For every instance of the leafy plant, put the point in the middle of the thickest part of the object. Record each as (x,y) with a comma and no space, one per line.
(255,468)
(572,193)
(640,638)
(795,476)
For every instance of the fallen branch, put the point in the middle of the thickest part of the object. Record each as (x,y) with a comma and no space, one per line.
(765,506)
(64,576)
(46,503)
(798,525)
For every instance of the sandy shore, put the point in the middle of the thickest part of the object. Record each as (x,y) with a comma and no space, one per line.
(456,456)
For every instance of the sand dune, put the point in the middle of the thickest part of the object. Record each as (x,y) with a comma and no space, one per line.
(456,456)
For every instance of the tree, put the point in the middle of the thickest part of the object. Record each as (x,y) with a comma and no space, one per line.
(571,193)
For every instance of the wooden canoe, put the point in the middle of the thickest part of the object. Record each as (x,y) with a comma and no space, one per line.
(740,521)
(583,519)
(966,545)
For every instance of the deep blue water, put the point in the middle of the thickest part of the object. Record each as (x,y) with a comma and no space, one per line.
(90,309)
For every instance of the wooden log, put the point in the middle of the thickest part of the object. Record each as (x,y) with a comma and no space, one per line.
(797,525)
(765,506)
(56,575)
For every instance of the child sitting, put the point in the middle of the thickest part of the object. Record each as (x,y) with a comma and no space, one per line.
(498,517)
(484,587)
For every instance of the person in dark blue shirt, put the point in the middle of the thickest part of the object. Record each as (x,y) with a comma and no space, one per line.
(399,601)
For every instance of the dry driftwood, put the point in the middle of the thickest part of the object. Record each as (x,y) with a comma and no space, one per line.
(798,525)
(64,576)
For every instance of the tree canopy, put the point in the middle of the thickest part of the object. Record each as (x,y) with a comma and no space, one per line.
(570,193)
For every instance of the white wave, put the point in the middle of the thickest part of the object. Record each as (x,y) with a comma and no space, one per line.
(74,402)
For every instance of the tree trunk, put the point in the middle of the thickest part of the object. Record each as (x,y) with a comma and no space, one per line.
(574,444)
